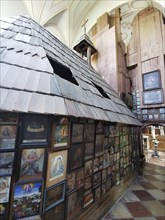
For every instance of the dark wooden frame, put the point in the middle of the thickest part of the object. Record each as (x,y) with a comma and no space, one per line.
(151,80)
(89,151)
(154,97)
(57,212)
(8,134)
(6,167)
(77,133)
(89,132)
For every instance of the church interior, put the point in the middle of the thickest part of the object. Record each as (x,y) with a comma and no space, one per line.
(82,110)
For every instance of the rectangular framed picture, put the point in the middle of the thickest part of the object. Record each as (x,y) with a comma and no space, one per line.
(7,136)
(54,195)
(32,163)
(56,169)
(89,151)
(151,80)
(71,181)
(99,142)
(77,133)
(6,163)
(8,118)
(27,191)
(153,97)
(76,157)
(35,130)
(89,132)
(60,134)
(5,182)
(96,179)
(57,212)
(88,198)
(79,178)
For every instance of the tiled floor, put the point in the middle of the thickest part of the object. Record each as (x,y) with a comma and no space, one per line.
(145,199)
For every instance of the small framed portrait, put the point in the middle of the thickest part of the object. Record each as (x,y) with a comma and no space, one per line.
(88,198)
(88,183)
(96,164)
(99,144)
(5,182)
(103,188)
(6,163)
(153,97)
(56,169)
(104,175)
(96,179)
(89,151)
(74,203)
(79,178)
(57,212)
(151,80)
(99,127)
(108,183)
(71,181)
(35,130)
(76,157)
(32,163)
(106,144)
(60,134)
(8,118)
(88,167)
(7,136)
(106,161)
(97,193)
(27,191)
(89,132)
(77,133)
(54,195)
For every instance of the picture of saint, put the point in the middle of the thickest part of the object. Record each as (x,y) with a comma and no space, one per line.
(57,167)
(151,80)
(7,136)
(4,189)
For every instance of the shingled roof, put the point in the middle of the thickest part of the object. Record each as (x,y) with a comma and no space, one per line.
(39,74)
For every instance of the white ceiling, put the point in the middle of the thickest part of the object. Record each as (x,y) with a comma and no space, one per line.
(64,18)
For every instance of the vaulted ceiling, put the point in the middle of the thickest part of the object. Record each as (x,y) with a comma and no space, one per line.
(64,18)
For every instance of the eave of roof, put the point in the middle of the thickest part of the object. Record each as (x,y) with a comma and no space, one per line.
(28,83)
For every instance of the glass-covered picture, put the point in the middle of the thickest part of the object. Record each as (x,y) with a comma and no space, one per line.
(35,129)
(77,133)
(6,163)
(7,136)
(151,80)
(27,200)
(89,132)
(32,162)
(4,188)
(153,97)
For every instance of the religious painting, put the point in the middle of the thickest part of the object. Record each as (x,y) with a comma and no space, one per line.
(96,179)
(35,129)
(153,97)
(4,211)
(6,163)
(97,193)
(8,118)
(99,144)
(4,188)
(88,167)
(88,183)
(56,169)
(104,175)
(76,157)
(71,181)
(60,133)
(54,195)
(108,183)
(101,162)
(89,151)
(88,198)
(74,204)
(7,136)
(96,164)
(151,80)
(79,178)
(32,162)
(57,212)
(89,132)
(103,188)
(99,127)
(106,161)
(77,133)
(106,144)
(27,191)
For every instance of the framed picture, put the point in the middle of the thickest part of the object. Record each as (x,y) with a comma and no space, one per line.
(54,195)
(96,164)
(34,217)
(89,151)
(104,175)
(88,198)
(74,204)
(77,133)
(97,193)
(96,179)
(4,188)
(7,136)
(88,183)
(60,133)
(56,169)
(103,188)
(153,97)
(32,163)
(101,162)
(4,211)
(89,132)
(99,144)
(6,163)
(151,80)
(71,181)
(27,191)
(106,161)
(99,127)
(88,167)
(35,129)
(76,157)
(8,118)
(79,178)
(57,212)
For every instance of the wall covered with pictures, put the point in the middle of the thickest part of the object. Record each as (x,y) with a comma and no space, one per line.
(56,167)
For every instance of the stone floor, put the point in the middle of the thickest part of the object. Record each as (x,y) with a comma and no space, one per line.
(145,199)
